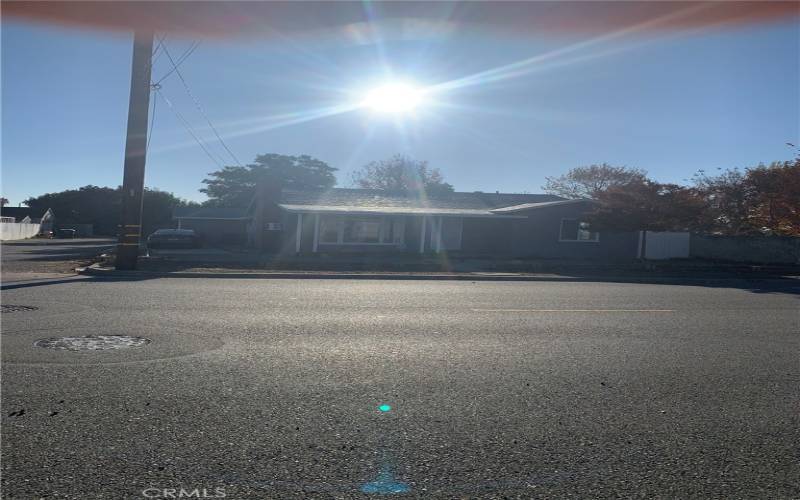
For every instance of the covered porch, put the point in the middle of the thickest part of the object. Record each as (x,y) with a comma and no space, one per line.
(317,232)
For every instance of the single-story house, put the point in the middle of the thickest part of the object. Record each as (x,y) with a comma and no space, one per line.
(499,225)
(26,214)
(29,215)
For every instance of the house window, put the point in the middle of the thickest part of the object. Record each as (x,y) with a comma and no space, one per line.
(362,230)
(329,229)
(575,230)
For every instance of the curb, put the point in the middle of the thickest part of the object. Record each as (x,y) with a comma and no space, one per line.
(113,273)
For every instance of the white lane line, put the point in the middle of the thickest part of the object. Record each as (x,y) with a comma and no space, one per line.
(575,310)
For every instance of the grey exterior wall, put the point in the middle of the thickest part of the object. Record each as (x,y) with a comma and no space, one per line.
(538,237)
(752,249)
(487,237)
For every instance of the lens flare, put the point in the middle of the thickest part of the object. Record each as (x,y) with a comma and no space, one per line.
(394,98)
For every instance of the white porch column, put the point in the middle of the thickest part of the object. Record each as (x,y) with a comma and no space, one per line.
(422,236)
(439,234)
(316,232)
(299,232)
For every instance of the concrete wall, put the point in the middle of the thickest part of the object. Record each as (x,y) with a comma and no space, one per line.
(751,249)
(18,230)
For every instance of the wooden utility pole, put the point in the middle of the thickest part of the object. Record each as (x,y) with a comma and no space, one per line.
(130,230)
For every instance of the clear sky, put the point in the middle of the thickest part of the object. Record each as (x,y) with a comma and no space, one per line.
(671,103)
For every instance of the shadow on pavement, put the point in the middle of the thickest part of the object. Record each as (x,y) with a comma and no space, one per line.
(72,280)
(749,284)
(62,242)
(58,254)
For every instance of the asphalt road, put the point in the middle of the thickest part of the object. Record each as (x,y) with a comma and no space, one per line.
(271,389)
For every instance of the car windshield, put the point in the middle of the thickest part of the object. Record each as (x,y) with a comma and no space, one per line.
(429,249)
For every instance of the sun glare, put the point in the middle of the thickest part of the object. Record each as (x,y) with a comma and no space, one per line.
(393,98)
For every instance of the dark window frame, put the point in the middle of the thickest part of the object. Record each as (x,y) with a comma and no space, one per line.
(578,228)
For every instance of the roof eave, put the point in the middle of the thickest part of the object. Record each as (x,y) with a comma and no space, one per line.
(319,210)
(535,206)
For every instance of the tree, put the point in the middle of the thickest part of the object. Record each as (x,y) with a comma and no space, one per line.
(401,173)
(727,202)
(760,200)
(589,182)
(3,202)
(775,190)
(235,186)
(649,206)
(102,207)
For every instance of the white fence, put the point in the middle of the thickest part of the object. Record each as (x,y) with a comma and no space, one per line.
(661,246)
(18,230)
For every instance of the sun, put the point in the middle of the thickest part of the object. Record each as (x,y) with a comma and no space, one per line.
(395,97)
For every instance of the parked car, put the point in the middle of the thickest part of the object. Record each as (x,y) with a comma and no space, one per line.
(173,238)
(66,233)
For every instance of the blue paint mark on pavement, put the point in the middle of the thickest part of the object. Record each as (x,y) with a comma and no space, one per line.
(385,484)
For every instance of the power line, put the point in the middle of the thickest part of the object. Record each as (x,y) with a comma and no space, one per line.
(188,52)
(153,87)
(189,128)
(152,121)
(156,52)
(182,58)
(199,107)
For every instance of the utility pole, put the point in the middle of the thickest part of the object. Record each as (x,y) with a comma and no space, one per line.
(130,230)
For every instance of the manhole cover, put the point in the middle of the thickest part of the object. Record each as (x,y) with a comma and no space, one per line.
(8,308)
(92,342)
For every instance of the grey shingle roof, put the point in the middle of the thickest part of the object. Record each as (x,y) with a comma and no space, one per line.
(366,201)
(373,199)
